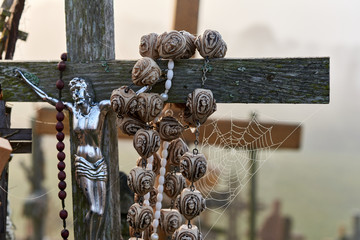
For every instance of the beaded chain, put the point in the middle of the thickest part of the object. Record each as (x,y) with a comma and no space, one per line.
(60,146)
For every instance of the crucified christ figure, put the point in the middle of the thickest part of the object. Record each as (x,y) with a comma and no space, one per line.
(91,170)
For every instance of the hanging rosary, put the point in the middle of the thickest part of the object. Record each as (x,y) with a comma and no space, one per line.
(60,146)
(142,115)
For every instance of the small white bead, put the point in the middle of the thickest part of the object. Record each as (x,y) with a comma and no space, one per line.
(164,96)
(147,196)
(162,171)
(171,64)
(168,84)
(146,202)
(154,236)
(159,197)
(158,205)
(157,214)
(163,162)
(161,180)
(165,144)
(164,153)
(169,75)
(160,189)
(149,166)
(150,159)
(155,223)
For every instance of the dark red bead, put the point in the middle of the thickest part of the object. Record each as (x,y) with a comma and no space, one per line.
(61,66)
(61,166)
(62,185)
(62,195)
(61,156)
(59,126)
(59,106)
(64,233)
(60,146)
(61,175)
(60,84)
(60,136)
(60,116)
(63,214)
(63,56)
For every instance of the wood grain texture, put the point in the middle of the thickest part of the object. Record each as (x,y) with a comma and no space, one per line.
(286,80)
(89,30)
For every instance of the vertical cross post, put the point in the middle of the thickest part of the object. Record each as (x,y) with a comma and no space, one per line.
(90,37)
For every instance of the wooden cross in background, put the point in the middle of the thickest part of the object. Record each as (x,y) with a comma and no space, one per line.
(90,42)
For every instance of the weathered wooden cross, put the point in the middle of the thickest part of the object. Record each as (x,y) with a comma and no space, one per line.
(90,42)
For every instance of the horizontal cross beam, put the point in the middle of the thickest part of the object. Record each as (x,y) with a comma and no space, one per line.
(286,80)
(284,136)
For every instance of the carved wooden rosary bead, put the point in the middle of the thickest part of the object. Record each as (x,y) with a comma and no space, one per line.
(139,217)
(170,220)
(193,167)
(190,45)
(190,203)
(171,45)
(141,181)
(145,72)
(148,47)
(186,233)
(169,128)
(200,105)
(210,44)
(149,106)
(146,142)
(129,125)
(176,149)
(174,184)
(123,101)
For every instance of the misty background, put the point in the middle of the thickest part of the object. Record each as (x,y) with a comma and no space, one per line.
(318,184)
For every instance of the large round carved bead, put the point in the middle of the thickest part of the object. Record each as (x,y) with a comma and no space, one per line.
(129,125)
(123,101)
(145,72)
(170,220)
(139,217)
(147,46)
(141,181)
(146,142)
(171,45)
(210,44)
(186,233)
(190,203)
(176,149)
(190,45)
(174,184)
(193,167)
(169,128)
(149,106)
(200,105)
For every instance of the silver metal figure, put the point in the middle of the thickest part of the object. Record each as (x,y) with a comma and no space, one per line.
(91,170)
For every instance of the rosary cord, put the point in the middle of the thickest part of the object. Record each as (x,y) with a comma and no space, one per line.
(60,147)
(168,82)
(149,166)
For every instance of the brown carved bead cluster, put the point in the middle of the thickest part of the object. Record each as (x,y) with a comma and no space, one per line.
(182,45)
(60,146)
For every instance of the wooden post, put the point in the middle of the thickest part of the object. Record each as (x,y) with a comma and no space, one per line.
(186,15)
(4,123)
(90,30)
(252,195)
(90,37)
(356,231)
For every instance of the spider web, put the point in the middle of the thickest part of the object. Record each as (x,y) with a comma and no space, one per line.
(234,154)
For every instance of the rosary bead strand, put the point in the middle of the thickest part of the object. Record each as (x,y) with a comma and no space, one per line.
(63,214)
